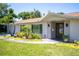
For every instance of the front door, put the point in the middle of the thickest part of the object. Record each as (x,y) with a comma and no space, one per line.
(59,30)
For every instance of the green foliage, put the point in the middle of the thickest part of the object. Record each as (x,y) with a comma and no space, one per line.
(6,19)
(32,14)
(37,13)
(26,28)
(66,38)
(36,36)
(27,15)
(24,15)
(28,36)
(11,13)
(25,31)
(3,12)
(3,9)
(6,14)
(28,33)
(60,13)
(20,34)
(76,42)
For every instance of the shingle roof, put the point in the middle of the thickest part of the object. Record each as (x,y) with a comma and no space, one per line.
(50,15)
(73,14)
(28,21)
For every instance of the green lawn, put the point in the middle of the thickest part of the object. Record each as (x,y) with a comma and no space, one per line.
(23,49)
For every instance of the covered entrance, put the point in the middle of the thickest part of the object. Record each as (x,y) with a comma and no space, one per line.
(57,30)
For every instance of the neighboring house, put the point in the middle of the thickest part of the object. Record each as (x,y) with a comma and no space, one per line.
(52,25)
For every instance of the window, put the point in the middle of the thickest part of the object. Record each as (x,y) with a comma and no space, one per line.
(37,29)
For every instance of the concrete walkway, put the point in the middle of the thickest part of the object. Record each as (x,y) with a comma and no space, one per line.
(44,41)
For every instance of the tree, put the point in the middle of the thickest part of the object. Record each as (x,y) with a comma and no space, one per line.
(3,12)
(6,14)
(24,15)
(60,13)
(37,13)
(11,15)
(3,9)
(32,14)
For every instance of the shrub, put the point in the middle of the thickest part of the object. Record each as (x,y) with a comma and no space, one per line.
(27,30)
(20,34)
(66,38)
(36,36)
(76,42)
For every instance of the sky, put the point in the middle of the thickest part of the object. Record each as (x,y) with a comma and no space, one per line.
(45,7)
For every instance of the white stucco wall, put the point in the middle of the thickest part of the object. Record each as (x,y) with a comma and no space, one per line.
(17,29)
(10,28)
(46,31)
(7,28)
(67,29)
(49,30)
(74,29)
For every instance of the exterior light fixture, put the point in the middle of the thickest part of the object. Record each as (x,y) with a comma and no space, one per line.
(66,25)
(48,25)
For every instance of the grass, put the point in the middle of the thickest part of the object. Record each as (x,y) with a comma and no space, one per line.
(24,49)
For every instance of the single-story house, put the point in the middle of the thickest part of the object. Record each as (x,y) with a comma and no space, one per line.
(52,25)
